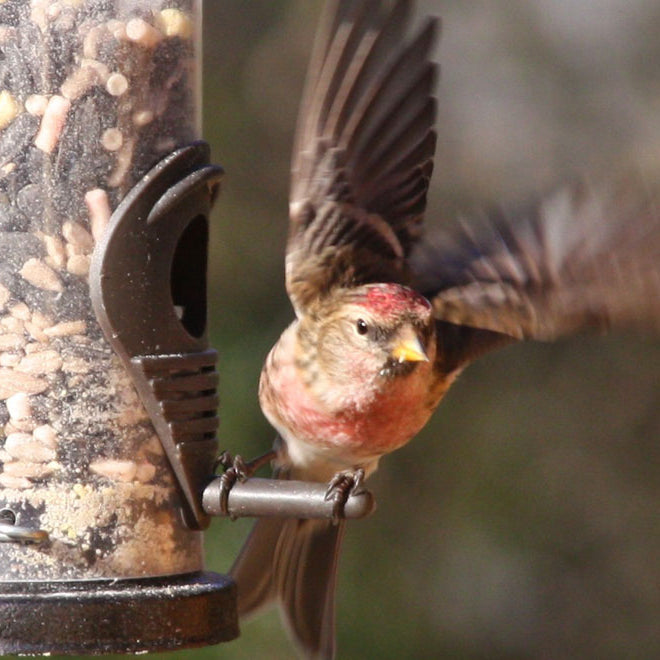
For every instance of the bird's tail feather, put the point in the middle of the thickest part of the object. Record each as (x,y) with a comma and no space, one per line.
(293,562)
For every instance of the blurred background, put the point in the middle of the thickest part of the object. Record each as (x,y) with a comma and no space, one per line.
(524,521)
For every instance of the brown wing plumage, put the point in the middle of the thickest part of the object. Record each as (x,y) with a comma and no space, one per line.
(363,153)
(585,257)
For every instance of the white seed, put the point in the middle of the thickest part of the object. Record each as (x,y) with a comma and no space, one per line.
(45,434)
(143,34)
(55,250)
(52,123)
(21,311)
(18,406)
(37,273)
(101,69)
(66,328)
(20,412)
(34,347)
(15,483)
(145,472)
(153,446)
(22,425)
(35,332)
(75,234)
(98,208)
(22,446)
(117,29)
(78,264)
(112,139)
(72,249)
(11,324)
(14,440)
(41,320)
(115,469)
(5,295)
(91,41)
(9,428)
(123,164)
(174,23)
(11,341)
(29,469)
(75,365)
(36,104)
(143,117)
(9,359)
(79,82)
(81,490)
(38,14)
(66,22)
(8,109)
(13,381)
(53,11)
(116,84)
(42,362)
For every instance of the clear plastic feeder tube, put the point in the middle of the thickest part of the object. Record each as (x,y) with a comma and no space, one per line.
(93,93)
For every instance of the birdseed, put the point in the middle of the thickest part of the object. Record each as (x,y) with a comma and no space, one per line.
(93,93)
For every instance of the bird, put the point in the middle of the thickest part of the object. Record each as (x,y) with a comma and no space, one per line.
(388,313)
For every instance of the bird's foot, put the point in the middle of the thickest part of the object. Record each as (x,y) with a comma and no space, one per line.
(237,469)
(341,487)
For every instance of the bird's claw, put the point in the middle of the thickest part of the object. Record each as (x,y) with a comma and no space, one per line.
(341,487)
(236,469)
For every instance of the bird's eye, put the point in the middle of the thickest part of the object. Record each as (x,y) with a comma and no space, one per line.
(361,327)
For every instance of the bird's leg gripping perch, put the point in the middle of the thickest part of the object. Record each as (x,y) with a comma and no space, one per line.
(237,493)
(341,487)
(236,469)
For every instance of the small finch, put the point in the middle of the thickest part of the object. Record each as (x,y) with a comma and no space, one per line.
(386,319)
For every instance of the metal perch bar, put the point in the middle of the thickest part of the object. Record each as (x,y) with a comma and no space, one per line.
(257,497)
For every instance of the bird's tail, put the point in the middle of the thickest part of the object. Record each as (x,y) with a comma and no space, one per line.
(293,562)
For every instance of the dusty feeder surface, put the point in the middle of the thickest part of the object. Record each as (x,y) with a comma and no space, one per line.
(92,94)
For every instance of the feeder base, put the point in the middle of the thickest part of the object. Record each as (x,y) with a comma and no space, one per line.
(95,617)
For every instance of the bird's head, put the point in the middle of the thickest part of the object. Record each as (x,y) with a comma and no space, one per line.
(375,332)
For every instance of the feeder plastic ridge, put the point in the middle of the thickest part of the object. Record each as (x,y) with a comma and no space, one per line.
(148,290)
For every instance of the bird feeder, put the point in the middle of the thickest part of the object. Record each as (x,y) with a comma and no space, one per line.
(108,410)
(96,555)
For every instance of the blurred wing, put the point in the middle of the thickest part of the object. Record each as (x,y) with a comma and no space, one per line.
(363,153)
(587,257)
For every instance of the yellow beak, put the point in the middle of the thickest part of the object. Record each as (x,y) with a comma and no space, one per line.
(409,349)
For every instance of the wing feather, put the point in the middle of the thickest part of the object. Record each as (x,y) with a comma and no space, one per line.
(586,257)
(363,152)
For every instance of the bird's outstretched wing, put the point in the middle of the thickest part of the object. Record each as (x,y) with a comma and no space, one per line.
(363,153)
(585,257)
